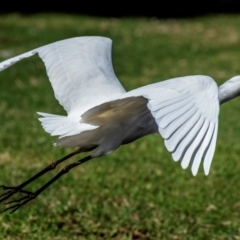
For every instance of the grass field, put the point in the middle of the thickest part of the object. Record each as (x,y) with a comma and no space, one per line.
(137,192)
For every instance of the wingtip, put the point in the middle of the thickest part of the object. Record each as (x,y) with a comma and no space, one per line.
(206,169)
(194,172)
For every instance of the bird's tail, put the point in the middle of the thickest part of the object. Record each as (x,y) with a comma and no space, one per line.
(62,126)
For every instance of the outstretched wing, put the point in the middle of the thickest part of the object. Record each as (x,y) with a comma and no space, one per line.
(186,111)
(80,71)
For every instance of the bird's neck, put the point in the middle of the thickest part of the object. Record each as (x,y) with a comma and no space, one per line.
(229,90)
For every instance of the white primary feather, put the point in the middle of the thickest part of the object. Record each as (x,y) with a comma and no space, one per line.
(209,152)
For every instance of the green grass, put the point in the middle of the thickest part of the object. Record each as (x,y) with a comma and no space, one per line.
(137,192)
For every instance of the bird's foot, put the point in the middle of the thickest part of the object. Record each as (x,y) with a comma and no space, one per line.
(19,202)
(11,191)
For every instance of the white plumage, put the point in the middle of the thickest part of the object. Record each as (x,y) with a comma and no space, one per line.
(101,115)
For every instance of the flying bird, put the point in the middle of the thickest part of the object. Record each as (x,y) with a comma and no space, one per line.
(101,115)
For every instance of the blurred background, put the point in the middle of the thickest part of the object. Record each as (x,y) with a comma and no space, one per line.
(137,192)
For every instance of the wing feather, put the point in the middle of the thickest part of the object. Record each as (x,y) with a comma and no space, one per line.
(170,108)
(202,148)
(157,104)
(210,151)
(186,111)
(80,71)
(187,140)
(181,117)
(172,142)
(172,116)
(189,154)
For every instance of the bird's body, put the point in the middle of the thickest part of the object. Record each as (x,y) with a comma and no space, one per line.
(119,122)
(101,115)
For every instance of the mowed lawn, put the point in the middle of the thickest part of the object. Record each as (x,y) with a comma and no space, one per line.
(138,191)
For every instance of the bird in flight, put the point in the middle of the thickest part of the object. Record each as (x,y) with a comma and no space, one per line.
(101,115)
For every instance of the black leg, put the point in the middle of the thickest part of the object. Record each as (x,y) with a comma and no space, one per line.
(30,196)
(13,190)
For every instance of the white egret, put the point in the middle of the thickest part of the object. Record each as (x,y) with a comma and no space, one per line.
(101,115)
